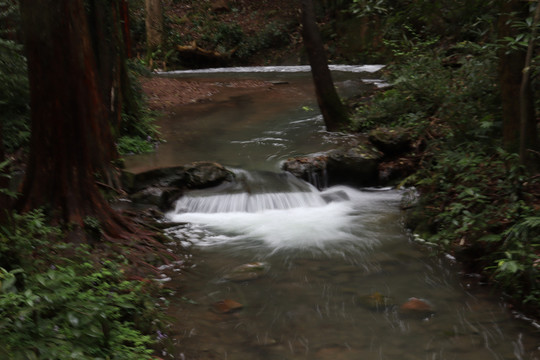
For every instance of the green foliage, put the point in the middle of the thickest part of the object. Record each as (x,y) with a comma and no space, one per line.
(473,196)
(518,261)
(73,312)
(14,90)
(138,121)
(455,92)
(53,307)
(24,240)
(133,145)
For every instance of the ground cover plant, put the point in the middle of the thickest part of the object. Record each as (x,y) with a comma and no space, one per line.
(60,302)
(477,201)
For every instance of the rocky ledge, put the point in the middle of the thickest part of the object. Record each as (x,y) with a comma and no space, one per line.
(379,159)
(162,186)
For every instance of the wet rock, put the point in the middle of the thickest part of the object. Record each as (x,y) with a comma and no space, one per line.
(311,168)
(416,307)
(226,306)
(201,175)
(356,166)
(161,177)
(392,142)
(415,304)
(375,301)
(161,197)
(161,187)
(246,272)
(198,175)
(395,170)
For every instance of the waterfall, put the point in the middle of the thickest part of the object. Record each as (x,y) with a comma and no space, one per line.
(253,192)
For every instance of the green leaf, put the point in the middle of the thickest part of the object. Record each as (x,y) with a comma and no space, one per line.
(490,238)
(73,319)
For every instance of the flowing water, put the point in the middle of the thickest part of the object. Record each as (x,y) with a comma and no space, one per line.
(280,270)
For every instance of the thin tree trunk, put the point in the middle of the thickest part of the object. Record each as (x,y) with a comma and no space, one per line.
(124,18)
(528,132)
(332,109)
(154,24)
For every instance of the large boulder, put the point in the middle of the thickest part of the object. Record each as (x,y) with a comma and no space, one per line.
(201,175)
(391,141)
(311,168)
(162,186)
(356,165)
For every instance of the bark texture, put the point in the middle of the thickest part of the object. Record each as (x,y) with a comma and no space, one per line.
(154,24)
(528,146)
(511,64)
(71,133)
(332,109)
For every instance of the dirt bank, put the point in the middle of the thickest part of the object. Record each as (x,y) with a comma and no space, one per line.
(165,93)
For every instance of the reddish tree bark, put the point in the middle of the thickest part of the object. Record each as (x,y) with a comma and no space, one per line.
(332,109)
(71,135)
(124,16)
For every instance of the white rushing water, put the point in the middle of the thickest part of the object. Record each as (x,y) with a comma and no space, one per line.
(281,220)
(277,69)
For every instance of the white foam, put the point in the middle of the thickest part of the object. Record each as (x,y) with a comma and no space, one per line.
(276,69)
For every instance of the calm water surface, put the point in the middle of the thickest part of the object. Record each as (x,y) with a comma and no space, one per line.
(324,256)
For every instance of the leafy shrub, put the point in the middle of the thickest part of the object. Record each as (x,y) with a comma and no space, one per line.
(53,307)
(426,90)
(14,89)
(134,145)
(474,197)
(73,312)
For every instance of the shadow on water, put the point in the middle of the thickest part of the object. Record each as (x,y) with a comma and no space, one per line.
(280,270)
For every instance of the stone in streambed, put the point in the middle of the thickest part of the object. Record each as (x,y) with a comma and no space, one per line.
(246,272)
(163,186)
(375,301)
(226,306)
(415,307)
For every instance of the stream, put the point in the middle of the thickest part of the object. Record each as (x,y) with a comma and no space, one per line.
(277,269)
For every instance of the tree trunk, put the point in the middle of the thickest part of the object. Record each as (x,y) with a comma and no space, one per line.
(154,24)
(71,137)
(332,109)
(5,200)
(124,19)
(511,63)
(528,145)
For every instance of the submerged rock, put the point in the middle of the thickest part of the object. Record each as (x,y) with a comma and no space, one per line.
(375,301)
(226,306)
(246,272)
(416,307)
(415,304)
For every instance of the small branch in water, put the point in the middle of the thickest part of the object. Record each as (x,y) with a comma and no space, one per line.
(118,191)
